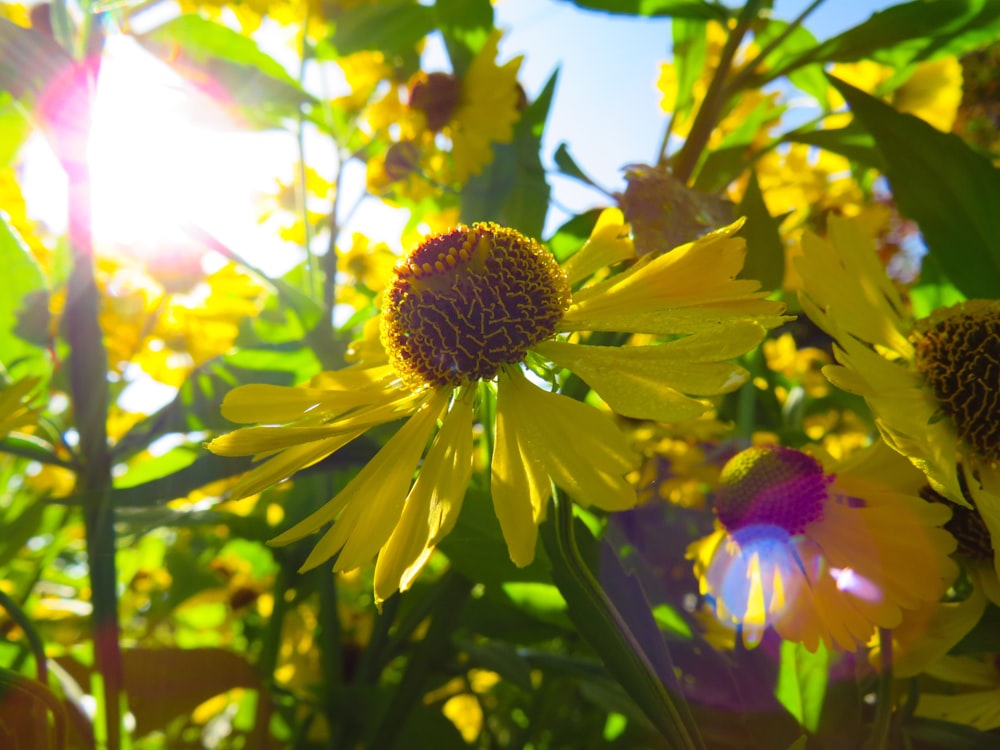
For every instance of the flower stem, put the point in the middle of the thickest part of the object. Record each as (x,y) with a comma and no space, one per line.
(617,645)
(715,98)
(88,380)
(883,694)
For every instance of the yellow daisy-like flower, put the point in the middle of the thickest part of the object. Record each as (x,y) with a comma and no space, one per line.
(471,307)
(822,554)
(933,384)
(488,110)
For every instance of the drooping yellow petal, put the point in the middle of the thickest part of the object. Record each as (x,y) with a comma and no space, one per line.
(582,450)
(433,505)
(519,484)
(369,505)
(609,243)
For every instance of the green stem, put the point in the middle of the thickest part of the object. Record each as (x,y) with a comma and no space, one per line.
(883,694)
(740,78)
(88,367)
(715,98)
(34,639)
(622,653)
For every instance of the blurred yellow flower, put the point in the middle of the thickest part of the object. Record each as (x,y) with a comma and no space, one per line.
(821,553)
(932,92)
(470,309)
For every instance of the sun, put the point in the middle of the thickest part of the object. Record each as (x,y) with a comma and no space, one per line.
(164,156)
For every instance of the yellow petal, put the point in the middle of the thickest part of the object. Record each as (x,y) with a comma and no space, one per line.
(519,483)
(286,463)
(609,243)
(392,466)
(433,505)
(582,450)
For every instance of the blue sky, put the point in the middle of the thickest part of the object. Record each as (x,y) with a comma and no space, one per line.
(606,106)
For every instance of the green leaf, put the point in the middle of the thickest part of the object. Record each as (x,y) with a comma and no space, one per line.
(765,259)
(14,128)
(852,142)
(393,26)
(567,165)
(931,734)
(675,8)
(802,680)
(629,650)
(477,549)
(809,79)
(22,276)
(734,153)
(907,33)
(690,47)
(512,190)
(465,26)
(570,237)
(939,181)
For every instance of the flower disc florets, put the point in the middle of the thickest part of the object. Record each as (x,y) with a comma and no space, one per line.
(469,302)
(958,353)
(771,486)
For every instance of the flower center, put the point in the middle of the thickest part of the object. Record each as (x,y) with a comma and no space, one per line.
(466,303)
(958,353)
(966,525)
(436,95)
(771,486)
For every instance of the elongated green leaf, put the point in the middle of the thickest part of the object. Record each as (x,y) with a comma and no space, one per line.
(513,189)
(802,683)
(394,27)
(906,33)
(810,78)
(675,8)
(852,142)
(940,182)
(690,48)
(638,666)
(765,250)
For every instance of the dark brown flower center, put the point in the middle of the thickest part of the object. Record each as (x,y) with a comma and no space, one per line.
(958,353)
(436,95)
(469,302)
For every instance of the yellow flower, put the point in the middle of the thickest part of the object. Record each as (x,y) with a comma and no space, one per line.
(974,697)
(821,554)
(488,110)
(932,92)
(932,384)
(483,308)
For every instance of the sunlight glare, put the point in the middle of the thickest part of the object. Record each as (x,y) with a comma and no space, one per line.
(164,155)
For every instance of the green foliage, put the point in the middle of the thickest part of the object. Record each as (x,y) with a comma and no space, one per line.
(952,191)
